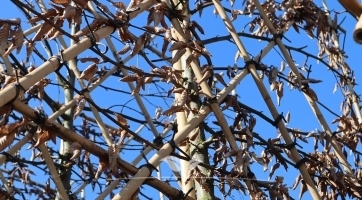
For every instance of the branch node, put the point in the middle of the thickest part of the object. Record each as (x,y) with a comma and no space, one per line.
(278,119)
(174,146)
(301,162)
(148,165)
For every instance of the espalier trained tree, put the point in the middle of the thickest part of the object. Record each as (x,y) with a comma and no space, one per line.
(61,61)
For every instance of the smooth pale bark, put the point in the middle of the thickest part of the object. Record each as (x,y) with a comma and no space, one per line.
(296,157)
(94,149)
(140,177)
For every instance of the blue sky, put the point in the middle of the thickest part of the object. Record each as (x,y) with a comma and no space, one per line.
(223,54)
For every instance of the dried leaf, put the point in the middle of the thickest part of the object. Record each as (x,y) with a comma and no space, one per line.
(140,43)
(197,26)
(120,119)
(45,28)
(102,166)
(335,88)
(287,117)
(4,33)
(220,79)
(69,12)
(272,170)
(6,140)
(82,3)
(16,42)
(178,46)
(49,13)
(90,59)
(45,135)
(178,55)
(113,152)
(125,49)
(158,112)
(89,72)
(62,2)
(280,92)
(311,94)
(172,110)
(79,108)
(193,135)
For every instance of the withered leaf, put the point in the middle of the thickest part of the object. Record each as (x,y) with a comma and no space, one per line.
(177,46)
(90,59)
(89,72)
(6,140)
(81,3)
(220,79)
(49,13)
(173,109)
(45,28)
(69,12)
(16,42)
(62,2)
(311,94)
(120,119)
(45,135)
(193,135)
(4,33)
(125,49)
(178,55)
(197,26)
(129,78)
(272,170)
(78,110)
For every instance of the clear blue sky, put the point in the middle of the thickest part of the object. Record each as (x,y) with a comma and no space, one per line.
(222,55)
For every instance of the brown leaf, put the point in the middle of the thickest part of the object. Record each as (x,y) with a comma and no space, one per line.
(220,79)
(62,2)
(78,110)
(272,170)
(296,28)
(45,135)
(120,119)
(4,33)
(89,72)
(6,140)
(113,152)
(287,117)
(173,110)
(311,94)
(82,3)
(140,43)
(17,42)
(155,29)
(178,55)
(129,78)
(177,46)
(190,59)
(280,92)
(9,128)
(125,49)
(204,77)
(69,12)
(54,32)
(49,13)
(122,6)
(296,182)
(102,166)
(45,28)
(193,135)
(90,59)
(197,26)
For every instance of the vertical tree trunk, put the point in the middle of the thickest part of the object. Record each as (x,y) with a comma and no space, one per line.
(65,174)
